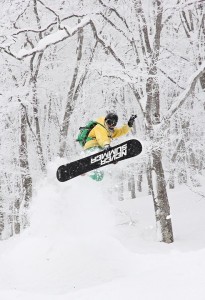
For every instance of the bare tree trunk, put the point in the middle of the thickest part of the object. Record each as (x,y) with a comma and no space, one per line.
(140,178)
(201,159)
(157,184)
(180,145)
(49,130)
(26,179)
(121,187)
(35,63)
(16,211)
(133,186)
(149,178)
(37,123)
(162,209)
(1,212)
(25,188)
(155,176)
(171,179)
(202,79)
(193,169)
(70,104)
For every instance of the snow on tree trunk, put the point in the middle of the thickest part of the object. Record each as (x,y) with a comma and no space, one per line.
(1,212)
(26,179)
(121,186)
(37,127)
(158,185)
(70,103)
(161,203)
(132,186)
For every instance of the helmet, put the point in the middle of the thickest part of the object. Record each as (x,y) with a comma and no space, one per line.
(111,120)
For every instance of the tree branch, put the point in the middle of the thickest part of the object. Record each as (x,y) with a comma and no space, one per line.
(102,42)
(27,119)
(171,79)
(115,11)
(51,10)
(175,54)
(52,39)
(182,98)
(179,7)
(140,13)
(63,33)
(116,28)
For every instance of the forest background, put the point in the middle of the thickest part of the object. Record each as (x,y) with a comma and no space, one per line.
(64,63)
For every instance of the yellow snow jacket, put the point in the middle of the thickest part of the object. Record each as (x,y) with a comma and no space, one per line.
(102,136)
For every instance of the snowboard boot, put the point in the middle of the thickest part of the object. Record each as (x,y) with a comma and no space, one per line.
(97,175)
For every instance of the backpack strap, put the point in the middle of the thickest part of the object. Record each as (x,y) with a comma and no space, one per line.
(90,138)
(85,131)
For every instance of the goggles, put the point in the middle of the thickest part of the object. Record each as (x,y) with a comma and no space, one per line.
(111,123)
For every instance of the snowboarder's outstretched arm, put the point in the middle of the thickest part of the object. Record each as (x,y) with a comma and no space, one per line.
(121,131)
(124,129)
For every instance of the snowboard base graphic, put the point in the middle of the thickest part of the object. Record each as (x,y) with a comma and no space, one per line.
(117,153)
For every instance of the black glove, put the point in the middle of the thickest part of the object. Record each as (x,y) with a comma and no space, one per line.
(107,147)
(131,120)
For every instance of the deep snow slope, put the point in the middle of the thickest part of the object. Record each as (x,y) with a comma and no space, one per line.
(85,244)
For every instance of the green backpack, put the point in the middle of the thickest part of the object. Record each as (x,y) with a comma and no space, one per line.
(84,132)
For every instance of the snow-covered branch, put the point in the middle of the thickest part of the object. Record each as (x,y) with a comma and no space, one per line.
(179,7)
(51,39)
(182,97)
(72,30)
(54,38)
(63,33)
(44,29)
(185,94)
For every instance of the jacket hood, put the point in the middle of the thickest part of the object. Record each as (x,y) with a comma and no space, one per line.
(101,120)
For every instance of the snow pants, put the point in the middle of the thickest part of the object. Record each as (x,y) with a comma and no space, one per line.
(97,174)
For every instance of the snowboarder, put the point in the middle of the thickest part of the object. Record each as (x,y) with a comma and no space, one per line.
(100,137)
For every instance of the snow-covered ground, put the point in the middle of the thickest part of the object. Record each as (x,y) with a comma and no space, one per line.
(84,244)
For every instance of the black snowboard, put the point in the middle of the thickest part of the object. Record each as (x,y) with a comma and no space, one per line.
(122,151)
